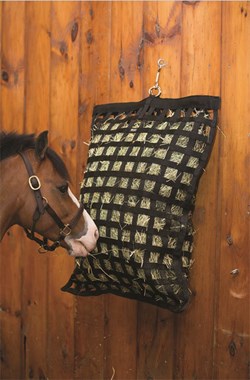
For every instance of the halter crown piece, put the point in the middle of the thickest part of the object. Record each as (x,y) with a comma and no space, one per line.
(42,207)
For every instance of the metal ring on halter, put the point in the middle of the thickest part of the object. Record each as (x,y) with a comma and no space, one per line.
(155,88)
(42,206)
(37,186)
(65,231)
(45,200)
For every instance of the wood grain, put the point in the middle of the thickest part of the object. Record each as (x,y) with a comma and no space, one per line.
(12,118)
(200,72)
(161,39)
(233,315)
(35,280)
(94,88)
(64,74)
(59,59)
(121,314)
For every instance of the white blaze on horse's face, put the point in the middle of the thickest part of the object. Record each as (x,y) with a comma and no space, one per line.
(84,244)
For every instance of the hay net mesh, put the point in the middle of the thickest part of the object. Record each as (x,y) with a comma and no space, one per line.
(145,161)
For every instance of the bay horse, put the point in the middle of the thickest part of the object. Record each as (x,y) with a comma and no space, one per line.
(35,194)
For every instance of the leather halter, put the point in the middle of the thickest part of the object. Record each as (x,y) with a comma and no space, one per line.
(42,207)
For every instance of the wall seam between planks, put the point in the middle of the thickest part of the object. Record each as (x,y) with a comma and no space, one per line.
(23,337)
(47,261)
(1,34)
(78,166)
(218,208)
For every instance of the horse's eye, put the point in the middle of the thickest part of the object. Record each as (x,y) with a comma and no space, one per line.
(63,189)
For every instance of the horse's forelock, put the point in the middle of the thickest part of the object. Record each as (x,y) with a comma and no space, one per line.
(12,143)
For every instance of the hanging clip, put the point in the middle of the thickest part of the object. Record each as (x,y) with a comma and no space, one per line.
(156,90)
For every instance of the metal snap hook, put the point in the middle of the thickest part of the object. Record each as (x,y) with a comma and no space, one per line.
(156,90)
(161,63)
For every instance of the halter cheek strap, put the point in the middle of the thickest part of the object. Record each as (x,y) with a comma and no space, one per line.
(42,206)
(34,184)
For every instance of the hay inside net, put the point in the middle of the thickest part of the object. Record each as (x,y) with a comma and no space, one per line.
(145,161)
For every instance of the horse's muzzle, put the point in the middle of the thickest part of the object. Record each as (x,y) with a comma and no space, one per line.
(84,245)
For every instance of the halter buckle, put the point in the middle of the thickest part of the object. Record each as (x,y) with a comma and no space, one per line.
(66,230)
(38,184)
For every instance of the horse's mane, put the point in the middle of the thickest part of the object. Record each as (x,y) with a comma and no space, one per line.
(12,143)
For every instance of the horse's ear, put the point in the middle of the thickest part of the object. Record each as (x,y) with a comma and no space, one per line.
(41,145)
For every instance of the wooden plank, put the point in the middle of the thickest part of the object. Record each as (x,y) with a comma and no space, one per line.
(232,350)
(120,338)
(1,56)
(108,330)
(161,39)
(125,81)
(94,88)
(10,296)
(200,75)
(94,70)
(37,88)
(12,112)
(125,85)
(64,132)
(37,66)
(12,66)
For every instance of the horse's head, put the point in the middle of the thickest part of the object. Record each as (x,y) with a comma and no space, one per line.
(45,203)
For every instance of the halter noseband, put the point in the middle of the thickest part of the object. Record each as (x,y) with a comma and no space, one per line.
(42,206)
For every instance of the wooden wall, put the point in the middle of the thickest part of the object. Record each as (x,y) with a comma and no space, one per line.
(57,61)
